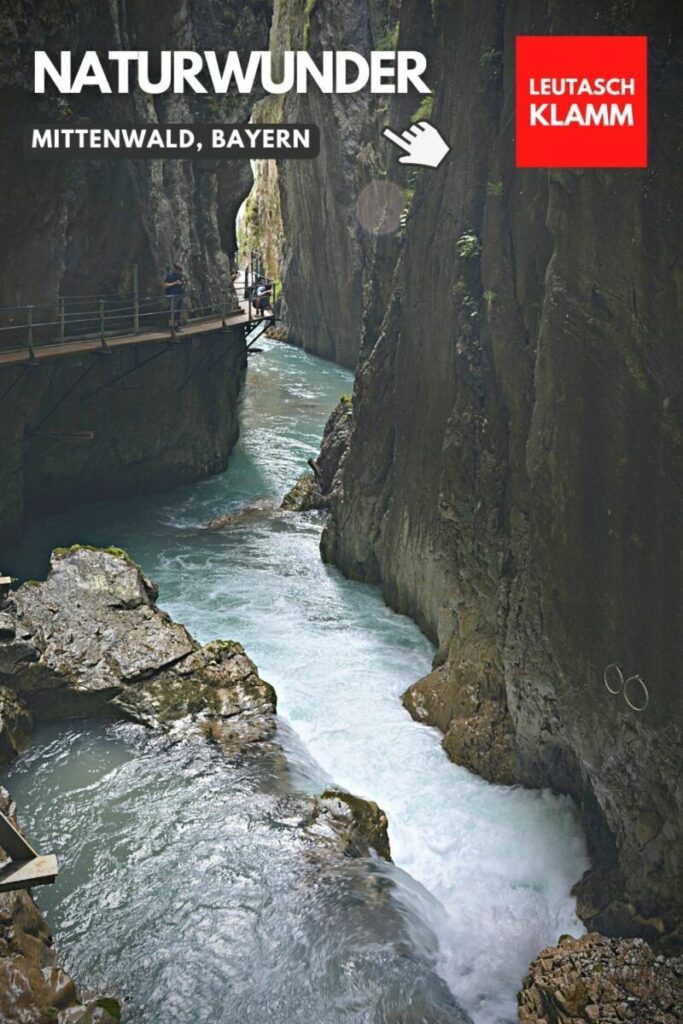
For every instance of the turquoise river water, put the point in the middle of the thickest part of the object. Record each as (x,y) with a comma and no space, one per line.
(184,885)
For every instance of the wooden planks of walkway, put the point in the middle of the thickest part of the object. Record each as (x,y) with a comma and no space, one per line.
(75,346)
(25,868)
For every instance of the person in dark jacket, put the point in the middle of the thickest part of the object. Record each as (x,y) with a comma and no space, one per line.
(175,284)
(261,300)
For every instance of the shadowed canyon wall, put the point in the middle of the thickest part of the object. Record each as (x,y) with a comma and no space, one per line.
(95,427)
(515,477)
(75,228)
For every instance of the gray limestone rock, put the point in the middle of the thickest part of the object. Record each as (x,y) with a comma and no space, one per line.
(91,639)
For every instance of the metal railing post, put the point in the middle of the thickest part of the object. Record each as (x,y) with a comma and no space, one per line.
(136,300)
(31,350)
(62,319)
(103,344)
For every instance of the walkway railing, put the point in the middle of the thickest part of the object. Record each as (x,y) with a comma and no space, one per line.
(77,318)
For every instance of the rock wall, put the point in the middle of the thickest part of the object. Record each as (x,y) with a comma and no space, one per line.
(340,213)
(77,228)
(94,427)
(515,474)
(603,980)
(259,224)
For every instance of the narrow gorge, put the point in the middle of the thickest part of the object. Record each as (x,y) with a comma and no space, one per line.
(446,788)
(514,475)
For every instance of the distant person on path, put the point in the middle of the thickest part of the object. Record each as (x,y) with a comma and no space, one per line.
(261,300)
(174,284)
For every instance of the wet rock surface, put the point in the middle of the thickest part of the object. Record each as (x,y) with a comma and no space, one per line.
(318,489)
(16,724)
(333,240)
(606,981)
(257,510)
(465,705)
(347,826)
(34,989)
(90,639)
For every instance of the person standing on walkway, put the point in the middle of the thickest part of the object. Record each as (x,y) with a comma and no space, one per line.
(262,294)
(174,284)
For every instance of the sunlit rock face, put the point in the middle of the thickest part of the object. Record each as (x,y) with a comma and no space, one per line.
(514,475)
(340,213)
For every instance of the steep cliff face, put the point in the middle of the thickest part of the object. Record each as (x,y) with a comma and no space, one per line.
(76,228)
(515,477)
(95,427)
(339,212)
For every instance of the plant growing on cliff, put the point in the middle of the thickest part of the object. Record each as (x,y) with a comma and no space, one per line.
(468,246)
(491,58)
(424,110)
(308,14)
(389,41)
(492,62)
(494,188)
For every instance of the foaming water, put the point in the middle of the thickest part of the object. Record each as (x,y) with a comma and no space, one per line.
(494,865)
(186,885)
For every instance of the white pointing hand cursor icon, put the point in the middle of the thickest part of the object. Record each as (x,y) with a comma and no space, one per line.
(422,142)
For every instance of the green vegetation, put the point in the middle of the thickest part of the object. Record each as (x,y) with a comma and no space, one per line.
(112,1006)
(409,193)
(468,246)
(424,111)
(308,13)
(491,58)
(225,645)
(59,553)
(389,41)
(494,188)
(470,306)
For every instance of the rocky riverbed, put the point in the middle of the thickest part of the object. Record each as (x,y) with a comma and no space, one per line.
(90,640)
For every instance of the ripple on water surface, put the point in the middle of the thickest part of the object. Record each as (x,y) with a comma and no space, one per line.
(488,870)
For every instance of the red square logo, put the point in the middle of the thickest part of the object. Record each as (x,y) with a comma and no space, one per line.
(581,101)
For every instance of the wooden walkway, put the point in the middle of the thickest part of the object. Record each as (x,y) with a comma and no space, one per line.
(24,867)
(75,346)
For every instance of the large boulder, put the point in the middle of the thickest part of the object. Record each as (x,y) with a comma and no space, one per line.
(344,825)
(90,639)
(464,701)
(608,981)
